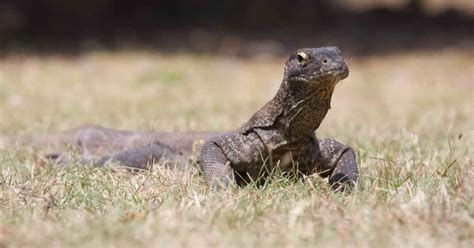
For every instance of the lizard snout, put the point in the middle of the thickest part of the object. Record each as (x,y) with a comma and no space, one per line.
(342,70)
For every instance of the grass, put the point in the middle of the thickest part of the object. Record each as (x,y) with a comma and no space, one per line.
(408,116)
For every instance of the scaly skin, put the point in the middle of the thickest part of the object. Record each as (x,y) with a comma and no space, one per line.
(280,136)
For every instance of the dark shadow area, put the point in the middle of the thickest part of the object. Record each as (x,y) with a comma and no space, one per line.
(241,28)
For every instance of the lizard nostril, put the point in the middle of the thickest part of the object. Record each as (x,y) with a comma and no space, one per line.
(325,61)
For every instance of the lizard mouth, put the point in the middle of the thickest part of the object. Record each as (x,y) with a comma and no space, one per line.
(335,74)
(340,72)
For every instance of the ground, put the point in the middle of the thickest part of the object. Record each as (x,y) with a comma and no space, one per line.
(409,118)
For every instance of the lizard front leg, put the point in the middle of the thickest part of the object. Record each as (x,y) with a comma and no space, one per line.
(232,157)
(215,165)
(338,162)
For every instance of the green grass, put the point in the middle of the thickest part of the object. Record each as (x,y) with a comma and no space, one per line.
(409,117)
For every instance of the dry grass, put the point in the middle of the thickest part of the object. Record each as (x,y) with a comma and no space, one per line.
(409,117)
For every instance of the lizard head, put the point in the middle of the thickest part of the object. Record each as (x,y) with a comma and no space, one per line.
(323,66)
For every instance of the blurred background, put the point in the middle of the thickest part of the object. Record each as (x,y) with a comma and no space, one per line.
(242,28)
(210,57)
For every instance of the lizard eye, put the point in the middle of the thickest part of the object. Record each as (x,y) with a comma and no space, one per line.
(302,58)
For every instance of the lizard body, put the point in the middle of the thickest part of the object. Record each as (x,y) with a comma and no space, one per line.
(278,136)
(281,134)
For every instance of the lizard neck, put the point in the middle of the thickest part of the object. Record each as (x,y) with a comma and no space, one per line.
(304,107)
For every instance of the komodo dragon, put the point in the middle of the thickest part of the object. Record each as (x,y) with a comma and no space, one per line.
(278,136)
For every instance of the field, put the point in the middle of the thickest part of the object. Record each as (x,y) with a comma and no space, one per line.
(410,118)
